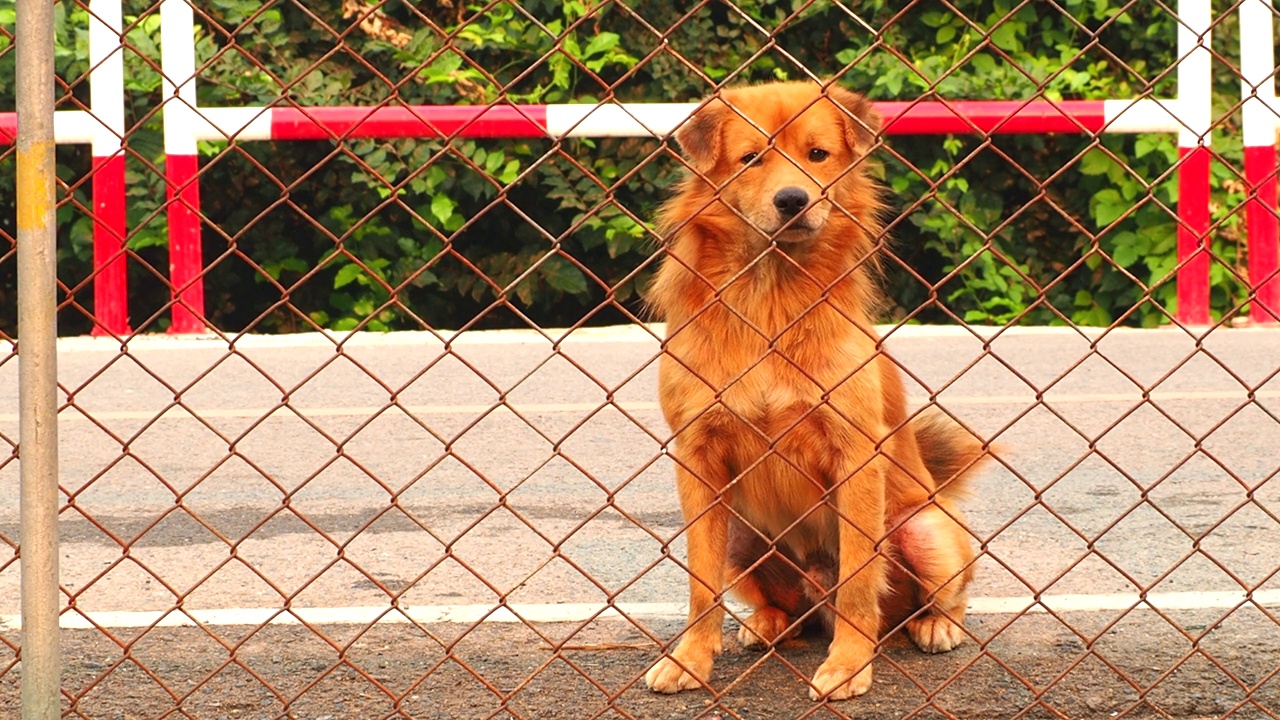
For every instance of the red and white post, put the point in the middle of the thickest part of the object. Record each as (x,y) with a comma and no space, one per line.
(1195,111)
(1258,90)
(181,165)
(106,97)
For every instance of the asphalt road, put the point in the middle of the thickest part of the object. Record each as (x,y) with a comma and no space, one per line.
(509,465)
(537,465)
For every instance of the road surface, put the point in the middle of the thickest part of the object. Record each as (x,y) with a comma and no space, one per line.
(511,476)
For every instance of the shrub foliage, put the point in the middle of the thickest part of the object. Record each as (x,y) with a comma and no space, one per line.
(391,234)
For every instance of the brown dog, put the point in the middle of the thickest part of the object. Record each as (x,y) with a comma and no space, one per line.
(795,457)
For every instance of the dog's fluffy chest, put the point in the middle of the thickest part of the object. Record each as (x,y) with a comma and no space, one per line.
(771,383)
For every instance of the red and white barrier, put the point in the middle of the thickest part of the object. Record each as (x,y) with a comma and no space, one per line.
(1188,115)
(659,120)
(102,128)
(1258,88)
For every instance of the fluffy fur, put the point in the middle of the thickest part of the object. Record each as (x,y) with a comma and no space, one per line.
(794,453)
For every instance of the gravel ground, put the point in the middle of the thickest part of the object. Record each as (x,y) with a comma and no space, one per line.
(1186,665)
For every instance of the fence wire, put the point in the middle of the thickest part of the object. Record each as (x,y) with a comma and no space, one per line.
(294,515)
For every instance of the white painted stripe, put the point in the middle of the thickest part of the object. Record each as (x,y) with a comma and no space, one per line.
(1121,601)
(222,124)
(1257,68)
(178,413)
(178,76)
(617,119)
(1195,80)
(1142,116)
(582,612)
(106,79)
(649,334)
(75,127)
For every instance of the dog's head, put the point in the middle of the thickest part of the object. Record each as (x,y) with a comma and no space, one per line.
(780,154)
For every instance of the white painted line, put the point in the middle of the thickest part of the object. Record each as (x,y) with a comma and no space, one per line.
(1195,72)
(582,612)
(1121,601)
(617,119)
(1142,116)
(222,124)
(648,334)
(1257,66)
(73,127)
(106,75)
(178,76)
(178,413)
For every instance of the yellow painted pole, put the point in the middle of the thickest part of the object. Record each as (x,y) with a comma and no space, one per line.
(37,362)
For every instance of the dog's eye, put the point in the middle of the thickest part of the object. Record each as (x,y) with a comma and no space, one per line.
(818,155)
(750,158)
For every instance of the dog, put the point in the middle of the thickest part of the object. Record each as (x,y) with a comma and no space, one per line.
(795,454)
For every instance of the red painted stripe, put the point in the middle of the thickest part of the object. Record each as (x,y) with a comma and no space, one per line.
(110,279)
(468,121)
(185,254)
(8,128)
(1264,233)
(995,116)
(1193,236)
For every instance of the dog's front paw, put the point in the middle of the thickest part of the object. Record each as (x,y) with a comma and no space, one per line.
(765,627)
(836,681)
(673,674)
(935,633)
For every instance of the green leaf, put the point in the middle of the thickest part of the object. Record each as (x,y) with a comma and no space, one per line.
(1096,162)
(509,173)
(601,43)
(1005,36)
(1107,206)
(564,276)
(1125,254)
(346,275)
(983,64)
(442,207)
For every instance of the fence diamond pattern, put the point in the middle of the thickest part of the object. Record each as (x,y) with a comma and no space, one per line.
(457,520)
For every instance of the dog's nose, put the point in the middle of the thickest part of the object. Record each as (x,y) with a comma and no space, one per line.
(790,201)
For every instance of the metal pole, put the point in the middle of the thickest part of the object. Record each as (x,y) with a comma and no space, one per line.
(37,362)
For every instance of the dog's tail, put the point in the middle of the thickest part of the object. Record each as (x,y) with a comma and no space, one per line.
(951,453)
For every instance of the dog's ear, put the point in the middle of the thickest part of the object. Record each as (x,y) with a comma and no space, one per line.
(862,127)
(700,135)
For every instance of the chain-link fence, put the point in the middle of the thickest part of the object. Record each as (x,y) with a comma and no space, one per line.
(366,421)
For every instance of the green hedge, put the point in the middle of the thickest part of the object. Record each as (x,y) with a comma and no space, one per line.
(407,234)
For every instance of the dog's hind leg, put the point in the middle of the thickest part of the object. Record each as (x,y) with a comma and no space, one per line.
(936,549)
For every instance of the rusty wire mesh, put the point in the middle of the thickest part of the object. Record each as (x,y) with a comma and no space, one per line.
(445,489)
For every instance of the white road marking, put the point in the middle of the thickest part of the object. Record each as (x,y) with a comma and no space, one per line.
(582,612)
(649,333)
(180,413)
